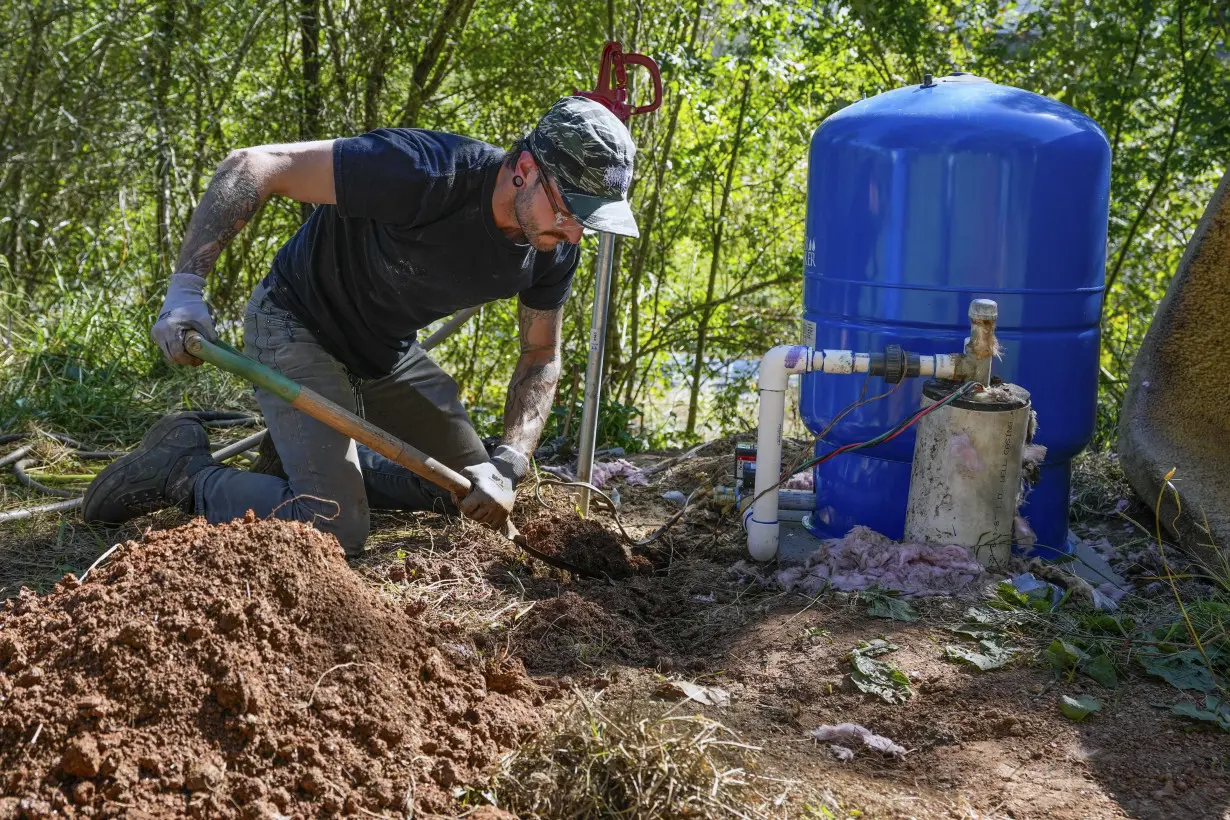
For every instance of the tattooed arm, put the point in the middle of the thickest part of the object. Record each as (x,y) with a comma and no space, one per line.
(532,389)
(245,179)
(302,171)
(493,490)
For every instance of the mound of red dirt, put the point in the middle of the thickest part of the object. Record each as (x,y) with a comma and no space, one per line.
(240,670)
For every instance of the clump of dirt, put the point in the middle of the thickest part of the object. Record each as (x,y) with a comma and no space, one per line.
(585,544)
(241,670)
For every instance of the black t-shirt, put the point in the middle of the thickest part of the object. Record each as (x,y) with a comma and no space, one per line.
(412,239)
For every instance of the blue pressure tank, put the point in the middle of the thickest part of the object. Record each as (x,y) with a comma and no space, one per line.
(920,200)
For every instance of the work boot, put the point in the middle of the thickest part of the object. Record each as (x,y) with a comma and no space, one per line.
(158,474)
(268,462)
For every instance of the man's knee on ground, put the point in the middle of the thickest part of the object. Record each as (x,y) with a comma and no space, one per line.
(349,524)
(350,527)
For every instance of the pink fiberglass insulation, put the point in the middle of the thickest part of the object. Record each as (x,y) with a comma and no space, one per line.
(802,481)
(864,559)
(606,471)
(963,456)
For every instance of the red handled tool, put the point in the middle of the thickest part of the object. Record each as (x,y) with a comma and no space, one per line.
(612,88)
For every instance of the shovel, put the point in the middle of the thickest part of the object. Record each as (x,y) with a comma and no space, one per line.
(222,355)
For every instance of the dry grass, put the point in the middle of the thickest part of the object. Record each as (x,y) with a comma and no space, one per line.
(1098,486)
(595,763)
(36,552)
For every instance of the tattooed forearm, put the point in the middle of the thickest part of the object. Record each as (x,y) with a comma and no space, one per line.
(532,389)
(530,394)
(230,201)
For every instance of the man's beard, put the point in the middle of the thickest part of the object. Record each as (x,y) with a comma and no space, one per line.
(540,237)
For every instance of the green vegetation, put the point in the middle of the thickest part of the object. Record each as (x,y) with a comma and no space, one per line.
(113,117)
(1182,640)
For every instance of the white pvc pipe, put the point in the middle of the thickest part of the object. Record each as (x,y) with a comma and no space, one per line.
(776,367)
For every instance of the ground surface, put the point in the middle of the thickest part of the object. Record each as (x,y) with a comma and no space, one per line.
(990,744)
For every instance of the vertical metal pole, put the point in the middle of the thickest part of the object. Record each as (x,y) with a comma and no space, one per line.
(593,369)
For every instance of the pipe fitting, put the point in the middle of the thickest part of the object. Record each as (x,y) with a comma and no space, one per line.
(982,347)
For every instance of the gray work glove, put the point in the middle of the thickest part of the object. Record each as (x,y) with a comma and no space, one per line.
(183,310)
(493,487)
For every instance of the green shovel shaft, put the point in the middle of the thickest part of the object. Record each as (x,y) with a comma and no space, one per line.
(222,355)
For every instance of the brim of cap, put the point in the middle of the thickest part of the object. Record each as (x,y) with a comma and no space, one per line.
(607,215)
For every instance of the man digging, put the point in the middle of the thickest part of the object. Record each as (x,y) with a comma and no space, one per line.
(411,226)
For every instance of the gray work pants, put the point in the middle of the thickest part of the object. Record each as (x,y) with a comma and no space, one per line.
(332,482)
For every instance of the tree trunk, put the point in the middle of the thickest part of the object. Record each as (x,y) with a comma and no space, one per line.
(433,64)
(373,86)
(162,46)
(396,18)
(645,244)
(702,334)
(309,41)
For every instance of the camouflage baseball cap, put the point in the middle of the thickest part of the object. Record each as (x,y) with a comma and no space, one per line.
(588,152)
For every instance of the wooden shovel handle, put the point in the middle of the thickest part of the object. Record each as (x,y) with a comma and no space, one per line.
(222,355)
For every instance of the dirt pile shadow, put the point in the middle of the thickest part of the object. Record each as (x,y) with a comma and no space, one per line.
(241,670)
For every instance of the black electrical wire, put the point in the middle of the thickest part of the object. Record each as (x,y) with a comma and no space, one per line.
(886,436)
(19,469)
(861,401)
(226,418)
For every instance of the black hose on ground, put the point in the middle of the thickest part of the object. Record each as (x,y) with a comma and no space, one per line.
(227,418)
(21,463)
(19,469)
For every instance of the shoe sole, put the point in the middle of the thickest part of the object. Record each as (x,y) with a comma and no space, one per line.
(107,478)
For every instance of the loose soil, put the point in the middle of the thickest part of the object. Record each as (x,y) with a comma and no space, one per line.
(241,670)
(247,670)
(585,544)
(988,744)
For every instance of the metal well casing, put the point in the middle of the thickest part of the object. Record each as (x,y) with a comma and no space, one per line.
(920,200)
(966,475)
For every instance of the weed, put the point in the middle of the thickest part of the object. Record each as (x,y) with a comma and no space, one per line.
(82,362)
(629,764)
(886,604)
(877,677)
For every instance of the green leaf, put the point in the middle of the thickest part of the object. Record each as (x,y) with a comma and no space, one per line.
(990,655)
(978,633)
(1111,624)
(1078,709)
(974,615)
(1215,711)
(876,647)
(1102,669)
(876,677)
(1183,670)
(1063,656)
(880,605)
(1068,659)
(1010,595)
(1041,600)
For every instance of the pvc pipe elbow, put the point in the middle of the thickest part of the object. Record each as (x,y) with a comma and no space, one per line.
(777,364)
(762,538)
